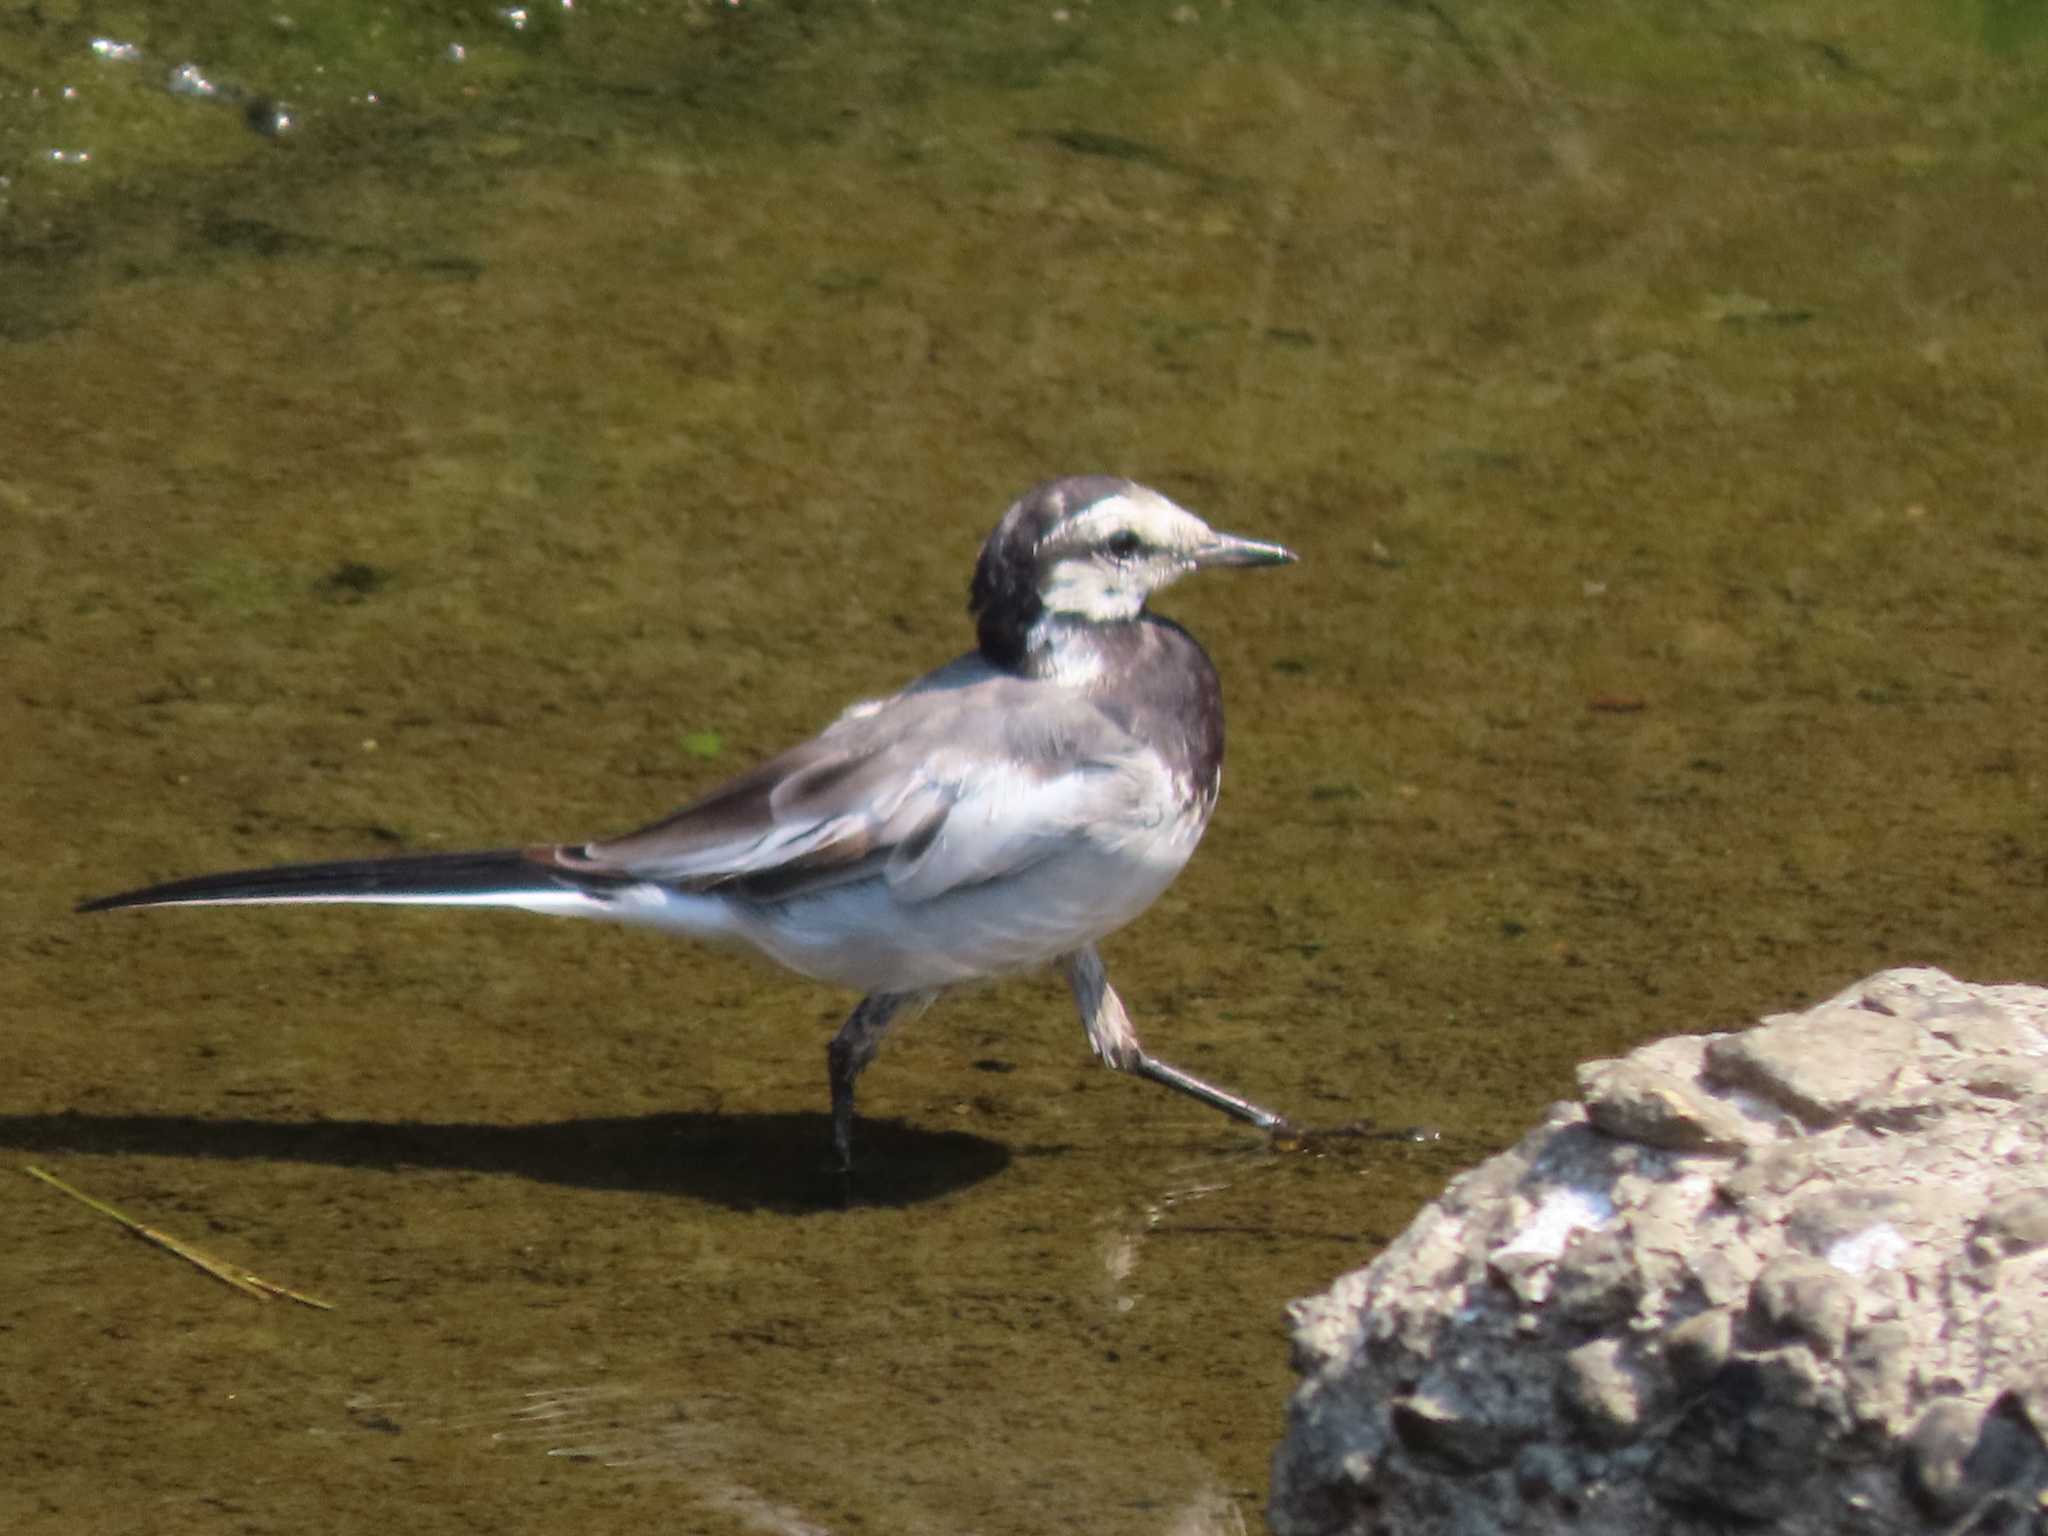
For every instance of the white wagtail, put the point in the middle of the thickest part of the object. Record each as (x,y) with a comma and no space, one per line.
(1005,811)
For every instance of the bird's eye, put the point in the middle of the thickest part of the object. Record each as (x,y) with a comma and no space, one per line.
(1125,544)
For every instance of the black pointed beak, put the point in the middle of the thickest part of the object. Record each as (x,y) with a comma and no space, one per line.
(1229,549)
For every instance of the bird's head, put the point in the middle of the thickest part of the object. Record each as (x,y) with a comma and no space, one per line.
(1091,548)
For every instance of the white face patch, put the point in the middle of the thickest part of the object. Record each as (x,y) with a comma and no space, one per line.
(1094,584)
(1095,587)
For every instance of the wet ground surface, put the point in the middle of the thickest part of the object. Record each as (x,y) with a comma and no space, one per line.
(1659,414)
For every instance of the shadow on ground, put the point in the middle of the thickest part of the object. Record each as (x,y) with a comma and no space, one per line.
(745,1162)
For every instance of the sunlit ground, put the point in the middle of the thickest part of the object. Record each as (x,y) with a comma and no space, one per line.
(1657,405)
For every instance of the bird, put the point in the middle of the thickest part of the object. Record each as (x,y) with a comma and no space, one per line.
(1000,814)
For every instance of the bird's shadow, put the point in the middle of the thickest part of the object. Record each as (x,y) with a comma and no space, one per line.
(741,1161)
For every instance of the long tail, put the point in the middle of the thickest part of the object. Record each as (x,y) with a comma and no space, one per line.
(506,877)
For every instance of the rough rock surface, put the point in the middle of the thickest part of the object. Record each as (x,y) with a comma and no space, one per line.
(1791,1280)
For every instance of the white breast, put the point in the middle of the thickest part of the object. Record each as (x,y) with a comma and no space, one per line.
(867,937)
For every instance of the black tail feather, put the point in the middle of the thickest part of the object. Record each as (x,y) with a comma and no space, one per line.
(419,875)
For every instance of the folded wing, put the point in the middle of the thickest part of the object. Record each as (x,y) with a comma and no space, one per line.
(934,789)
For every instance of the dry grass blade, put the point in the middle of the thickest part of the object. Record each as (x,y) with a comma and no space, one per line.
(228,1274)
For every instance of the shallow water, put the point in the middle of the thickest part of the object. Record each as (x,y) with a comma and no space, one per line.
(1658,410)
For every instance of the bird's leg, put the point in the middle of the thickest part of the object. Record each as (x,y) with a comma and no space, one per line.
(1109,1031)
(851,1050)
